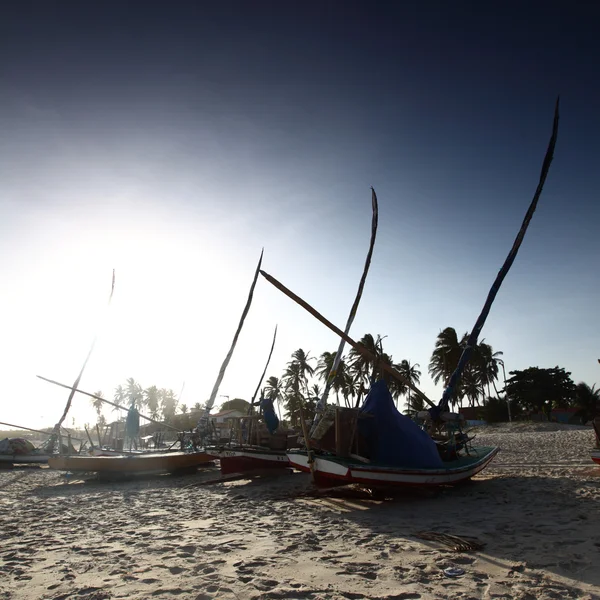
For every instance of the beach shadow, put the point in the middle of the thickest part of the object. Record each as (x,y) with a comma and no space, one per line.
(72,485)
(534,522)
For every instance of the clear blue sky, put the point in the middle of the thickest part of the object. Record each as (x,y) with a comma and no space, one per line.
(173,141)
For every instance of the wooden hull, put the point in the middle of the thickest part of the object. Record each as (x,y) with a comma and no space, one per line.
(24,459)
(330,470)
(170,462)
(247,460)
(596,455)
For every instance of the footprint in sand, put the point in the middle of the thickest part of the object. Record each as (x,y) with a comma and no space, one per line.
(176,570)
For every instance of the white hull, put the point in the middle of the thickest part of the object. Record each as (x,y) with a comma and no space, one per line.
(333,470)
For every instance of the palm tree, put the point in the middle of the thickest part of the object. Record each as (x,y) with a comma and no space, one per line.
(183,408)
(293,380)
(302,359)
(152,401)
(119,397)
(587,400)
(197,407)
(358,361)
(361,366)
(274,388)
(445,356)
(97,403)
(325,365)
(342,379)
(168,403)
(488,363)
(274,391)
(134,393)
(471,384)
(413,375)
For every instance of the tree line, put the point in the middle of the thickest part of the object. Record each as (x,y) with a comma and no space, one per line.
(303,381)
(531,390)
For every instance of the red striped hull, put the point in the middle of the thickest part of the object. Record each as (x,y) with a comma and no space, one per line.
(244,460)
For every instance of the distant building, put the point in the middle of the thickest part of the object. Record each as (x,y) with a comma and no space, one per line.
(222,420)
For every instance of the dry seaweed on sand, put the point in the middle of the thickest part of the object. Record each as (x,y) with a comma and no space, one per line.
(455,542)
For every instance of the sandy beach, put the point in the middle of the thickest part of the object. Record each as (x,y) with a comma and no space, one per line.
(536,510)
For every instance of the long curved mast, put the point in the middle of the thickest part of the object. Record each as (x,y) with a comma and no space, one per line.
(473,337)
(215,390)
(85,362)
(361,285)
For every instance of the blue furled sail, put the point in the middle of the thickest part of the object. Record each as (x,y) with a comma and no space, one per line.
(269,416)
(473,337)
(393,439)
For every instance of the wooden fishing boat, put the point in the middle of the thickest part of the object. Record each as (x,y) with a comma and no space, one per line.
(253,448)
(596,455)
(23,459)
(248,459)
(332,470)
(160,462)
(377,446)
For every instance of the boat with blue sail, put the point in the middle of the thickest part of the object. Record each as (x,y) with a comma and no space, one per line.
(378,446)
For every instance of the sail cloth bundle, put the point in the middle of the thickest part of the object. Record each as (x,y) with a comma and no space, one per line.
(132,424)
(269,416)
(16,446)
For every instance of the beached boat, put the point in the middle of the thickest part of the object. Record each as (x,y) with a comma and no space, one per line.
(249,459)
(331,470)
(377,446)
(145,463)
(596,455)
(23,459)
(20,451)
(252,446)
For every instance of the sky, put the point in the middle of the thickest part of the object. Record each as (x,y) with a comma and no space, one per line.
(173,141)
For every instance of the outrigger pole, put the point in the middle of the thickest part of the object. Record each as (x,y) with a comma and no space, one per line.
(37,430)
(74,389)
(358,347)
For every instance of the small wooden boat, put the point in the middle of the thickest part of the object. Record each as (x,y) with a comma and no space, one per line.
(247,459)
(376,446)
(23,459)
(146,463)
(331,470)
(596,455)
(262,451)
(20,451)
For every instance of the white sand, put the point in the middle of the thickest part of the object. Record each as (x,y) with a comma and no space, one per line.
(537,509)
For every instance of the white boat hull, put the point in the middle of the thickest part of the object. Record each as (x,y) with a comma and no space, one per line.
(331,471)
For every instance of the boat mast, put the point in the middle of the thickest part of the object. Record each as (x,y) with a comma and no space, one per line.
(213,394)
(85,362)
(361,285)
(473,337)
